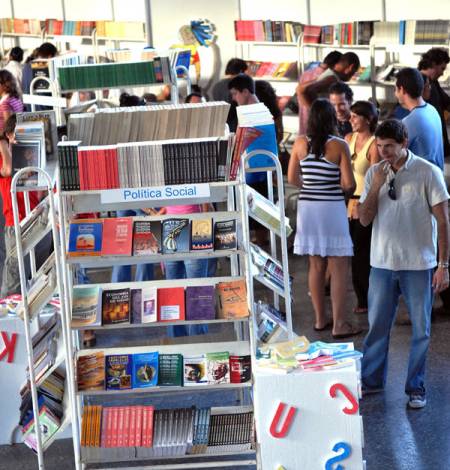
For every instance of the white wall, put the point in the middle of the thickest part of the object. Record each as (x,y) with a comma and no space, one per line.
(293,10)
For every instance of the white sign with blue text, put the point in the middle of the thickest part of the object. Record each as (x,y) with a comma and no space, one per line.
(156,193)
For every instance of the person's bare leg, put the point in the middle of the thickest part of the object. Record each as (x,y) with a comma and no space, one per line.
(316,280)
(338,267)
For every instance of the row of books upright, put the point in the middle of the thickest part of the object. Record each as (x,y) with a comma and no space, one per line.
(260,69)
(108,75)
(358,32)
(141,431)
(96,306)
(270,31)
(412,32)
(51,411)
(97,372)
(140,165)
(114,29)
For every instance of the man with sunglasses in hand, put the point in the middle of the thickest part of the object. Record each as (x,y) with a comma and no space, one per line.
(406,198)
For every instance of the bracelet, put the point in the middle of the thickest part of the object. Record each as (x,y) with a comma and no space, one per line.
(442,264)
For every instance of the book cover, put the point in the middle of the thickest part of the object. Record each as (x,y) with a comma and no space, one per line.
(195,370)
(171,305)
(146,238)
(240,369)
(175,236)
(116,306)
(202,235)
(85,237)
(91,372)
(26,154)
(170,370)
(136,306)
(145,370)
(225,235)
(118,369)
(200,303)
(218,367)
(149,304)
(232,299)
(86,306)
(117,236)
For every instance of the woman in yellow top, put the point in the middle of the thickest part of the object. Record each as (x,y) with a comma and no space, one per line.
(363,150)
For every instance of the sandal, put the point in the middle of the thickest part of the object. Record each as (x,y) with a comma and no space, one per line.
(353,331)
(327,326)
(360,310)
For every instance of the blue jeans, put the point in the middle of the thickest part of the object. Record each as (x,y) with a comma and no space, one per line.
(144,272)
(186,270)
(385,287)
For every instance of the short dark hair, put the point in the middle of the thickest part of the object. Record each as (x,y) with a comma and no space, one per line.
(411,81)
(47,50)
(367,110)
(16,53)
(189,97)
(332,58)
(434,56)
(322,123)
(126,100)
(392,129)
(10,125)
(235,66)
(350,58)
(339,88)
(8,81)
(242,82)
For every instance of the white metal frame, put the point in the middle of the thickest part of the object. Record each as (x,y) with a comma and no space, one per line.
(23,283)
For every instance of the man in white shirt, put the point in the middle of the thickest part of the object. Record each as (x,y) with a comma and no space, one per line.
(15,66)
(406,198)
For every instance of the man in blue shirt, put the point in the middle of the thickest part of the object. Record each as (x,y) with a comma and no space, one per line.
(423,122)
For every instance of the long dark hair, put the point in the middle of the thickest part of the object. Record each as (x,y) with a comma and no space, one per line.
(322,123)
(9,83)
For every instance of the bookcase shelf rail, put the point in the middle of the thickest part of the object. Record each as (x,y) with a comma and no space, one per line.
(234,464)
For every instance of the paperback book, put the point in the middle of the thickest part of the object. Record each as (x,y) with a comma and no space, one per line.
(195,370)
(171,304)
(117,236)
(85,237)
(116,306)
(200,303)
(225,235)
(202,235)
(118,372)
(146,238)
(175,236)
(149,305)
(240,369)
(86,306)
(170,370)
(232,299)
(218,367)
(145,370)
(136,306)
(91,372)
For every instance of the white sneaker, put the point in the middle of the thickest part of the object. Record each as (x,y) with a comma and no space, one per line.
(417,401)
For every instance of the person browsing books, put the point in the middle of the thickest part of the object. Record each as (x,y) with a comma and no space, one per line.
(15,66)
(11,279)
(10,101)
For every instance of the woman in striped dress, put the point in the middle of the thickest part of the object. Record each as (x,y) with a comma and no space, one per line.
(320,164)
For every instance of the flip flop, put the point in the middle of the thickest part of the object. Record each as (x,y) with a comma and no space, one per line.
(360,310)
(348,334)
(327,326)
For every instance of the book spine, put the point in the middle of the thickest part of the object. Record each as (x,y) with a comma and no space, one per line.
(126,427)
(103,436)
(132,428)
(144,441)
(138,426)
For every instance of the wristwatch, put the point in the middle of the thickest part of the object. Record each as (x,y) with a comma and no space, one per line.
(443,264)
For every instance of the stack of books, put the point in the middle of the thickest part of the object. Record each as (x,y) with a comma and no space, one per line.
(287,70)
(50,399)
(92,306)
(121,372)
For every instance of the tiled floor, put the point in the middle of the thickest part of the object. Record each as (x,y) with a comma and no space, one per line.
(395,438)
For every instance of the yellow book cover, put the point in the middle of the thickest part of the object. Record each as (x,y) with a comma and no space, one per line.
(232,299)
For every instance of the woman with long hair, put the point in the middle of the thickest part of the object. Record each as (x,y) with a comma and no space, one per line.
(10,101)
(363,150)
(320,165)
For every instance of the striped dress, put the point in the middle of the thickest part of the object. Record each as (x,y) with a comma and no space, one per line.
(322,226)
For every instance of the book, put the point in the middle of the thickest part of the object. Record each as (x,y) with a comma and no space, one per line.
(232,299)
(171,304)
(85,237)
(145,370)
(86,306)
(240,369)
(200,303)
(195,370)
(149,298)
(117,236)
(91,372)
(202,235)
(136,306)
(146,238)
(175,236)
(225,235)
(26,154)
(118,369)
(116,306)
(218,367)
(170,370)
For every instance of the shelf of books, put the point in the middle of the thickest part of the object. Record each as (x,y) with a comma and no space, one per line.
(47,404)
(188,163)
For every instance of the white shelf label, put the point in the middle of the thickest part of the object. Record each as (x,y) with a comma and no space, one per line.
(156,193)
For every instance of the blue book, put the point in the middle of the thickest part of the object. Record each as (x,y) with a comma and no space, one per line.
(145,370)
(85,237)
(118,368)
(267,140)
(176,236)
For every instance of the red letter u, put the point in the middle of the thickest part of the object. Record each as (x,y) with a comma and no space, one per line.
(286,424)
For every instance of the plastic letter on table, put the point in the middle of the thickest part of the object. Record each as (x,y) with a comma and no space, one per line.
(10,346)
(337,447)
(286,424)
(349,395)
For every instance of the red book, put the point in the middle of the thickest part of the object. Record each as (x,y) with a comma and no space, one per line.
(143,427)
(132,427)
(171,304)
(120,427)
(138,426)
(115,166)
(126,427)
(115,426)
(104,432)
(117,236)
(148,430)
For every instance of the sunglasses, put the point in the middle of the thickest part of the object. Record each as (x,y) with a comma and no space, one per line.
(391,191)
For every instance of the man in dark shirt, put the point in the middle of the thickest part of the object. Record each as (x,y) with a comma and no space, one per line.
(433,64)
(341,97)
